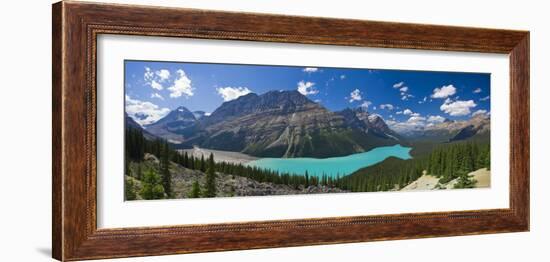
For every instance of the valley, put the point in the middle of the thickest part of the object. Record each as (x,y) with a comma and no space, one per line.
(281,143)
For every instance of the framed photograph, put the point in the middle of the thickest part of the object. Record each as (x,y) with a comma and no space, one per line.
(182,130)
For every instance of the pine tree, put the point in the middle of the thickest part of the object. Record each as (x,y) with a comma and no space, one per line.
(202,165)
(186,160)
(464,181)
(129,190)
(210,177)
(134,144)
(196,190)
(165,172)
(127,170)
(191,162)
(152,186)
(211,163)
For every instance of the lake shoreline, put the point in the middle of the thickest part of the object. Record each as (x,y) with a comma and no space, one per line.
(219,155)
(332,166)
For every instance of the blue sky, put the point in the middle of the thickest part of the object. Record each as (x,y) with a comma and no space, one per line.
(417,97)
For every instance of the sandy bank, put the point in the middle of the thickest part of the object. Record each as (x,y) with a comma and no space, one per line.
(429,182)
(220,156)
(425,182)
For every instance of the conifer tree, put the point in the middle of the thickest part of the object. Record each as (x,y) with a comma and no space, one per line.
(165,172)
(185,160)
(210,190)
(196,190)
(192,162)
(152,186)
(129,190)
(202,165)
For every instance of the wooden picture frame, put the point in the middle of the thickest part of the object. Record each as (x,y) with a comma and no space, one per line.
(76,26)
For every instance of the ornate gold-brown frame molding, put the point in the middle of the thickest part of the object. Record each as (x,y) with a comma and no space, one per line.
(76,26)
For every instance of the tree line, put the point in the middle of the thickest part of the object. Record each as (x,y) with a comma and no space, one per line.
(156,181)
(447,162)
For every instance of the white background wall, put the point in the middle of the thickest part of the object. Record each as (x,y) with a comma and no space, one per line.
(25,155)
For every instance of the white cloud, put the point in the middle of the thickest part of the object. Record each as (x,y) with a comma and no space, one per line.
(307,88)
(477,90)
(485,98)
(163,74)
(182,85)
(157,95)
(436,119)
(416,119)
(444,92)
(387,106)
(398,85)
(156,85)
(413,123)
(153,79)
(457,108)
(480,112)
(391,122)
(342,77)
(148,75)
(404,89)
(407,112)
(366,104)
(422,101)
(230,93)
(399,112)
(355,95)
(311,69)
(415,114)
(406,97)
(144,112)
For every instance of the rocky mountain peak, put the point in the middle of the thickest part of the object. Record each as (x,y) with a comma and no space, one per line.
(373,118)
(181,113)
(273,102)
(277,124)
(168,126)
(288,98)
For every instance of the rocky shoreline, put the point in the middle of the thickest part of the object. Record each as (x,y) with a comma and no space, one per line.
(228,185)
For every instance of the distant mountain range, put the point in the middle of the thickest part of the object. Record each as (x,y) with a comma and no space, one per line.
(288,124)
(130,123)
(172,125)
(276,124)
(477,127)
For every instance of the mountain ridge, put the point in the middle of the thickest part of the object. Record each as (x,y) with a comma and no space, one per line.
(281,124)
(170,125)
(450,131)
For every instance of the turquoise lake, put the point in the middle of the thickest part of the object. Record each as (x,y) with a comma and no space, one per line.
(332,166)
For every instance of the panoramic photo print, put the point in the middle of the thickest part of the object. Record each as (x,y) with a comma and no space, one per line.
(202,130)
